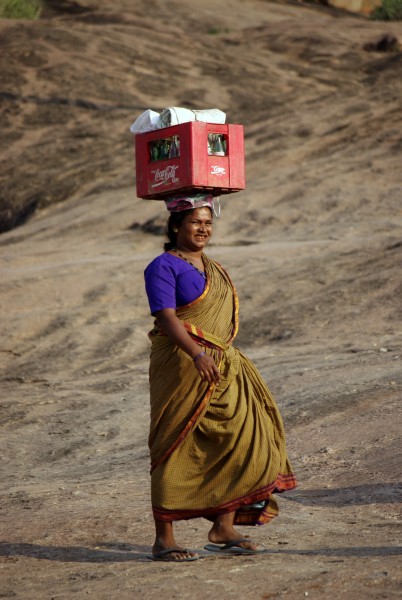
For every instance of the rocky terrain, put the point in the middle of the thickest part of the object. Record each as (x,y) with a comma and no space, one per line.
(314,246)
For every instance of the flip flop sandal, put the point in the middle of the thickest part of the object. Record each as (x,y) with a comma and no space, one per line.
(233,547)
(164,555)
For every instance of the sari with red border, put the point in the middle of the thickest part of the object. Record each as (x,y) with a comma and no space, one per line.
(214,448)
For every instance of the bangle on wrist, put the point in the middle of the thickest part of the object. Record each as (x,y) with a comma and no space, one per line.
(199,356)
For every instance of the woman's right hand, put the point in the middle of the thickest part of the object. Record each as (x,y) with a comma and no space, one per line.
(207,369)
(175,330)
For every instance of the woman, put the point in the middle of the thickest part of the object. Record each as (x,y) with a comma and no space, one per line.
(216,438)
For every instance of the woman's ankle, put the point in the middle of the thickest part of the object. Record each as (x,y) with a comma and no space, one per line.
(164,536)
(222,530)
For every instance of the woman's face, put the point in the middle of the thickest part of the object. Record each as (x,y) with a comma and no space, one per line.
(195,230)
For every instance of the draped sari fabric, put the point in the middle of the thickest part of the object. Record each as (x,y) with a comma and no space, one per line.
(214,448)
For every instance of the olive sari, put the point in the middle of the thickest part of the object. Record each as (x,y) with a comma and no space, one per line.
(215,448)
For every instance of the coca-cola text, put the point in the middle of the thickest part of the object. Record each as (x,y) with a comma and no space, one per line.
(162,176)
(215,170)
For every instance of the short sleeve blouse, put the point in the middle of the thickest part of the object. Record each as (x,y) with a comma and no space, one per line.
(171,282)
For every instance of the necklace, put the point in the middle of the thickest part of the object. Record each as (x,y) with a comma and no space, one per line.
(189,262)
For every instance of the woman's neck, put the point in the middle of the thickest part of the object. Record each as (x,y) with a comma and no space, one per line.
(188,252)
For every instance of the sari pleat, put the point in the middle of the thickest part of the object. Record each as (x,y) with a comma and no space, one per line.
(214,448)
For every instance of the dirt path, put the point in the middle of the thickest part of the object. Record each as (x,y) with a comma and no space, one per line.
(313,245)
(76,518)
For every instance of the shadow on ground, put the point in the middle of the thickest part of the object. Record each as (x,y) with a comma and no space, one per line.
(375,493)
(132,552)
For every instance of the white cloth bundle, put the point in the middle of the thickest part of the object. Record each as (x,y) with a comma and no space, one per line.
(174,115)
(147,121)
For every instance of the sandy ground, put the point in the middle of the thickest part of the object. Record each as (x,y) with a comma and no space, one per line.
(313,245)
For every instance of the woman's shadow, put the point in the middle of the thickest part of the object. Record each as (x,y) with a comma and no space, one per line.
(103,553)
(120,552)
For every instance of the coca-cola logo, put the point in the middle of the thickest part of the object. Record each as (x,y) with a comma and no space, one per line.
(162,176)
(216,170)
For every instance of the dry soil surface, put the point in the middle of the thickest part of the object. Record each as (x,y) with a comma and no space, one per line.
(314,245)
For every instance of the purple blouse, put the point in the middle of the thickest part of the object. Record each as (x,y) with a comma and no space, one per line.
(171,282)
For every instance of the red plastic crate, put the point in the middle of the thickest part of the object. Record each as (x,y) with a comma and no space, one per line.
(194,168)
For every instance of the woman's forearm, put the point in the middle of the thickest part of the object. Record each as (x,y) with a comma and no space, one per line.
(173,327)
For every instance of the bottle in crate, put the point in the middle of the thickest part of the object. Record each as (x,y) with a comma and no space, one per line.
(216,144)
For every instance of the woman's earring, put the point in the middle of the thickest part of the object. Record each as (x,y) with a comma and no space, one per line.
(175,230)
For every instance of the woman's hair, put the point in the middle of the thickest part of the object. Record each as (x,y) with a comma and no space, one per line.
(174,221)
